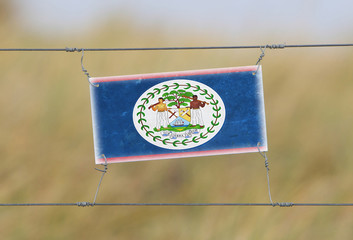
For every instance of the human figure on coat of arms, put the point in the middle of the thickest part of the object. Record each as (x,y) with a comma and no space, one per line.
(162,113)
(196,115)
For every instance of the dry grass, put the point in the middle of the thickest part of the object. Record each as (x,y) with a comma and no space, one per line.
(46,147)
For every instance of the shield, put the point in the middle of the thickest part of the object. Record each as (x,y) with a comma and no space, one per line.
(182,120)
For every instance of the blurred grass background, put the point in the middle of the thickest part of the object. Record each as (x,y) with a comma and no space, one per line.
(46,145)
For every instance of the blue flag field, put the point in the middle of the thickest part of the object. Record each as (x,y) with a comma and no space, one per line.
(178,114)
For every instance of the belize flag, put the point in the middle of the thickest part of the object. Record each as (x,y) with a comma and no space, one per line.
(178,114)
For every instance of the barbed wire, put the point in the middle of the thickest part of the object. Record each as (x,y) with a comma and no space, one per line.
(267,46)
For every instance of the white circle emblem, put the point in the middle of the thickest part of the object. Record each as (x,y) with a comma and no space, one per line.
(179,114)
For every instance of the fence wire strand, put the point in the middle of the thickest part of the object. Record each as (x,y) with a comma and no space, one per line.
(267,46)
(88,204)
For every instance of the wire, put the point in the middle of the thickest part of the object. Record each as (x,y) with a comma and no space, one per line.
(263,154)
(35,204)
(104,171)
(270,46)
(87,204)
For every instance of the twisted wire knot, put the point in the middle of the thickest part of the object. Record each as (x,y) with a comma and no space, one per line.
(84,204)
(267,164)
(67,49)
(263,48)
(283,204)
(261,56)
(276,46)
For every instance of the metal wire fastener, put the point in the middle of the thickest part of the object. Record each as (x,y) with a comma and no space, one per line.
(104,171)
(84,70)
(263,154)
(260,59)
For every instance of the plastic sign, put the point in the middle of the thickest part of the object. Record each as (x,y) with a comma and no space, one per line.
(178,114)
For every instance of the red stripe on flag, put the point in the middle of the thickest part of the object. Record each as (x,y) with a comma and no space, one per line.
(173,74)
(181,155)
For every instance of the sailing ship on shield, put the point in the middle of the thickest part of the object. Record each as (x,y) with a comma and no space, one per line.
(179,117)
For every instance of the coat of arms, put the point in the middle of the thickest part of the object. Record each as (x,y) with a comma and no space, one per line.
(179,114)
